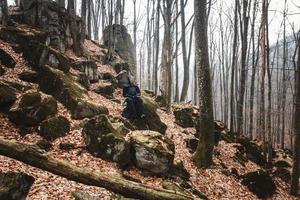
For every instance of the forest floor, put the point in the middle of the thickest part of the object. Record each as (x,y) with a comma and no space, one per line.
(212,182)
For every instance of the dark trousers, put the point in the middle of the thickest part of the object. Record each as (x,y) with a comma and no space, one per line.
(134,108)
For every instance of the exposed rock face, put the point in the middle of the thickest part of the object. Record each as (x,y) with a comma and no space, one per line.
(260,183)
(153,151)
(118,36)
(15,186)
(49,16)
(106,142)
(6,59)
(70,93)
(184,116)
(32,109)
(89,68)
(36,50)
(104,88)
(7,95)
(54,127)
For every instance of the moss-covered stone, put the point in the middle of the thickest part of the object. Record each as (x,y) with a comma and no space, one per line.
(104,88)
(54,127)
(70,93)
(151,121)
(184,116)
(103,140)
(17,85)
(15,186)
(7,95)
(32,109)
(153,151)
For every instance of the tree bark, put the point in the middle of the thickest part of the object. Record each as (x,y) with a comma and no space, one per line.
(73,27)
(186,75)
(83,19)
(35,157)
(205,128)
(296,163)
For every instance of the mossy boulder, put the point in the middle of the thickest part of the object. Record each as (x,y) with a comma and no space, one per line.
(260,183)
(103,140)
(109,77)
(70,93)
(54,127)
(32,109)
(7,95)
(17,85)
(105,89)
(15,186)
(184,115)
(151,121)
(6,59)
(152,151)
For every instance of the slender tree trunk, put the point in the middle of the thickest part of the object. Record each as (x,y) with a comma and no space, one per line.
(89,20)
(296,155)
(233,61)
(186,75)
(263,45)
(156,41)
(61,3)
(244,40)
(83,19)
(203,154)
(284,81)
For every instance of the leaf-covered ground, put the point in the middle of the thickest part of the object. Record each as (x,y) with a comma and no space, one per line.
(213,182)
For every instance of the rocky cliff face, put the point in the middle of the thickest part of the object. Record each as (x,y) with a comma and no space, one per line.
(48,16)
(118,36)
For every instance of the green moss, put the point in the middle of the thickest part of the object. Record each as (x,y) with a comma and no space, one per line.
(30,99)
(54,127)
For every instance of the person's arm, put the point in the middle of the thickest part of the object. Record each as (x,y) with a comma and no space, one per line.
(138,91)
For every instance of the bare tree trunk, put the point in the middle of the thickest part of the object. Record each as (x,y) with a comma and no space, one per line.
(89,20)
(156,41)
(263,45)
(167,55)
(284,87)
(296,155)
(254,66)
(35,157)
(186,74)
(83,19)
(203,154)
(233,61)
(244,40)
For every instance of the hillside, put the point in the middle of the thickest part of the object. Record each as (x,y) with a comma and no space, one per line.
(218,182)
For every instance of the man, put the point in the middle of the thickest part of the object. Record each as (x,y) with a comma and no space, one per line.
(134,104)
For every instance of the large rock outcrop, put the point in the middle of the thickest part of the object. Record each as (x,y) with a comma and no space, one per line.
(35,47)
(89,68)
(119,38)
(32,109)
(103,140)
(153,151)
(70,93)
(6,59)
(51,18)
(15,186)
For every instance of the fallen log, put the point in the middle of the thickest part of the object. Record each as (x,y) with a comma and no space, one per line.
(32,155)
